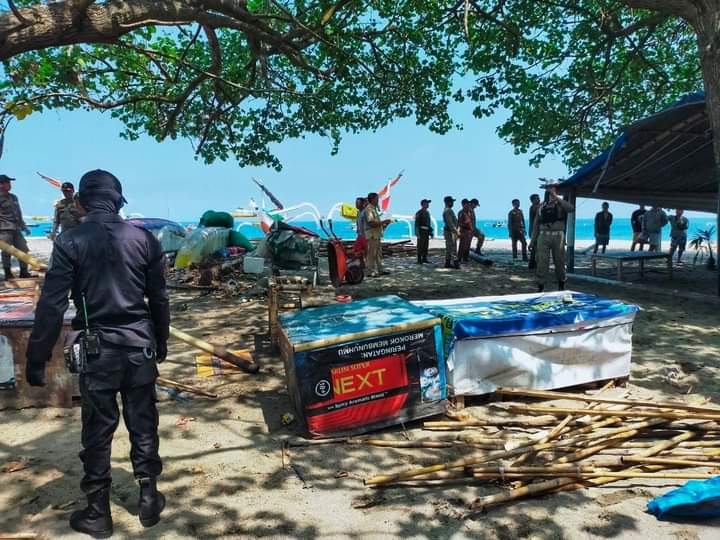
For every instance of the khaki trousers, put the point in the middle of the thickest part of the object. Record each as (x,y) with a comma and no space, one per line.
(450,247)
(374,256)
(550,243)
(15,239)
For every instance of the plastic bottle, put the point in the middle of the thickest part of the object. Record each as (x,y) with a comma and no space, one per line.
(200,243)
(7,364)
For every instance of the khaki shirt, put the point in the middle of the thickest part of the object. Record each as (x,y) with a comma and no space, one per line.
(450,220)
(372,216)
(66,214)
(10,214)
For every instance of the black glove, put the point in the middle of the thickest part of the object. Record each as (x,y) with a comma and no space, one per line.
(35,375)
(161,353)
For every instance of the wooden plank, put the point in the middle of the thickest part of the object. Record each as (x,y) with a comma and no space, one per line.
(59,382)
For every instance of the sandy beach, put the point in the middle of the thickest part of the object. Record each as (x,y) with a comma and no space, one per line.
(225,476)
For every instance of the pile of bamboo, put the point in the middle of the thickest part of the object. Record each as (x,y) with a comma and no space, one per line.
(560,449)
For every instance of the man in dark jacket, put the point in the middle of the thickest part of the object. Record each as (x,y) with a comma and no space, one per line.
(109,267)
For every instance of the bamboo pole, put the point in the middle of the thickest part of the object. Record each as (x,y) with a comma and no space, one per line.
(476,458)
(22,256)
(548,485)
(242,360)
(669,415)
(560,428)
(665,445)
(633,403)
(595,475)
(592,466)
(460,424)
(184,387)
(410,444)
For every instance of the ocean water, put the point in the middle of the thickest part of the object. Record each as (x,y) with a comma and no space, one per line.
(620,230)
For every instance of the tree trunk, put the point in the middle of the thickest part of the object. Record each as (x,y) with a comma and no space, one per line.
(707,26)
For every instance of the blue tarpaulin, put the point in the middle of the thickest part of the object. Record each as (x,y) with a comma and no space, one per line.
(344,321)
(483,317)
(696,499)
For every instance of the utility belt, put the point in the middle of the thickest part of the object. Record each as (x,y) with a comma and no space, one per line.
(82,347)
(551,232)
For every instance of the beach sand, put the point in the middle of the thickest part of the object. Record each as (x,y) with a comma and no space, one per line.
(224,475)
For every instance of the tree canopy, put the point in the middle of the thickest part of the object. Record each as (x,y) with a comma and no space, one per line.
(236,76)
(571,73)
(233,76)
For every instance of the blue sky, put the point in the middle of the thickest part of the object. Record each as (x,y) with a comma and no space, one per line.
(164,180)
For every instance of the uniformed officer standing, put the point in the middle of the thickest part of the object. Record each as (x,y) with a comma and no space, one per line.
(110,267)
(516,229)
(11,226)
(423,230)
(67,214)
(450,233)
(549,237)
(477,233)
(374,228)
(466,228)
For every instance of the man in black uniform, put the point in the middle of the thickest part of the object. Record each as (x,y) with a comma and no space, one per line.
(110,267)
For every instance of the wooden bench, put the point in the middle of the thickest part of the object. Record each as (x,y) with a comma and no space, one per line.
(627,256)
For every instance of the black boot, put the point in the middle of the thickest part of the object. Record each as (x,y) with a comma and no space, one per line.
(96,519)
(24,274)
(541,287)
(151,502)
(561,285)
(8,273)
(447,264)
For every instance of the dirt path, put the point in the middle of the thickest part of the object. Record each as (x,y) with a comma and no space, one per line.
(224,476)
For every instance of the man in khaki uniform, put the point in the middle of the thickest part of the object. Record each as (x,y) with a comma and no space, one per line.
(549,237)
(374,228)
(450,233)
(67,214)
(477,233)
(11,227)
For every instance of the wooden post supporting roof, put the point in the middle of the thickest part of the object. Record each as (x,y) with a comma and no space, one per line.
(570,234)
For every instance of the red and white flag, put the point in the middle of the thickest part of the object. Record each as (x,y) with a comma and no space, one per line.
(51,181)
(384,193)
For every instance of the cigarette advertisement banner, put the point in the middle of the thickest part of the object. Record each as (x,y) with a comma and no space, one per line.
(351,388)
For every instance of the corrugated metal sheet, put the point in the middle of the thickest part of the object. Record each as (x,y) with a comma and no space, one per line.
(665,159)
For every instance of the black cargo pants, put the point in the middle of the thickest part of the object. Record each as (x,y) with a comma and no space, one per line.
(132,373)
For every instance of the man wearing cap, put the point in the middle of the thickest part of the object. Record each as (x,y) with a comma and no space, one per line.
(467,228)
(450,233)
(477,233)
(110,267)
(11,226)
(516,229)
(549,237)
(374,228)
(423,230)
(67,214)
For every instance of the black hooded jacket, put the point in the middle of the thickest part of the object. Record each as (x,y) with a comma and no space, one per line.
(116,266)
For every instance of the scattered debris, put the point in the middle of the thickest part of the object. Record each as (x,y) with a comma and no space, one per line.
(588,446)
(15,465)
(184,420)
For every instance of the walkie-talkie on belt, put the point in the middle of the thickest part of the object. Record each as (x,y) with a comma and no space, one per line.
(92,340)
(85,346)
